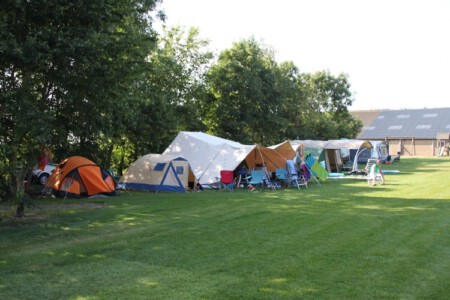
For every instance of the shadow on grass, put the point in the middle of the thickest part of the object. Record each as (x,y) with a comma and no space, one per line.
(314,242)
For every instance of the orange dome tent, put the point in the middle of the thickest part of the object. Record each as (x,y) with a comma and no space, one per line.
(77,176)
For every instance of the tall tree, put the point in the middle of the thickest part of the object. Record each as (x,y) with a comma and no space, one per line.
(293,102)
(66,72)
(189,60)
(328,98)
(244,101)
(169,93)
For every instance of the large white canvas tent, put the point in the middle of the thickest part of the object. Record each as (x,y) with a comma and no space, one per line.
(208,155)
(156,172)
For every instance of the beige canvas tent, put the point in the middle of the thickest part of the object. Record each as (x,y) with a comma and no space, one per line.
(156,172)
(288,149)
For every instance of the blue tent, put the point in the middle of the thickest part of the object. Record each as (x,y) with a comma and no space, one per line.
(157,172)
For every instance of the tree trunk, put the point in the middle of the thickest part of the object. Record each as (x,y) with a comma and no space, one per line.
(121,164)
(109,155)
(18,174)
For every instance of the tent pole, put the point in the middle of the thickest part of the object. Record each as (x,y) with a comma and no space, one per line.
(210,162)
(262,157)
(260,153)
(264,165)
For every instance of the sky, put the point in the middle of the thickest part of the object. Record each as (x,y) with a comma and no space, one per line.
(396,53)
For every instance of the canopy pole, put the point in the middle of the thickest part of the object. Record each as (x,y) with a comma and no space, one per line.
(262,157)
(264,163)
(210,162)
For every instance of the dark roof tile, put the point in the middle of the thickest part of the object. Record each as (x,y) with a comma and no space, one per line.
(417,123)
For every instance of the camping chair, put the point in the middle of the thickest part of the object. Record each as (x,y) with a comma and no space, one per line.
(292,176)
(303,176)
(268,182)
(280,175)
(365,171)
(226,180)
(257,178)
(243,177)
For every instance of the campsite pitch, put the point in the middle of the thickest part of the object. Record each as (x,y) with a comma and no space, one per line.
(342,239)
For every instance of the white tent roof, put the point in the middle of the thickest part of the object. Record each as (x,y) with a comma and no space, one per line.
(313,144)
(348,144)
(210,139)
(159,158)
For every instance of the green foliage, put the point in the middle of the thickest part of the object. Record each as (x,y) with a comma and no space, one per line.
(93,79)
(166,96)
(293,109)
(253,99)
(244,100)
(328,98)
(343,239)
(66,70)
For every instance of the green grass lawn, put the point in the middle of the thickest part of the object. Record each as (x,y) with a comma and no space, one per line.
(343,239)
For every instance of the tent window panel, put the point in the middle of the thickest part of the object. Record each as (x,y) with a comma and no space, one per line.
(159,167)
(180,170)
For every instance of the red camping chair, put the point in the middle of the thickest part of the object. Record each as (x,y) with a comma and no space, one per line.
(226,180)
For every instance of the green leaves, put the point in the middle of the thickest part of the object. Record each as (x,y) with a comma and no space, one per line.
(92,78)
(65,65)
(255,100)
(328,97)
(243,84)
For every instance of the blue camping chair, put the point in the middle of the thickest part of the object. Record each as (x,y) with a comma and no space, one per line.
(280,175)
(268,182)
(257,178)
(292,176)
